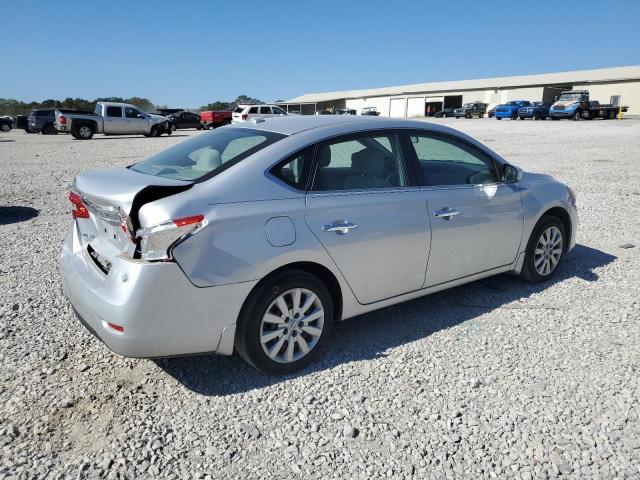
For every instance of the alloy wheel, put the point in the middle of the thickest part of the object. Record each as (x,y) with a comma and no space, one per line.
(292,325)
(548,251)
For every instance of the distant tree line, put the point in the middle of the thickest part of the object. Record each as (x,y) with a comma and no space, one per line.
(220,105)
(10,106)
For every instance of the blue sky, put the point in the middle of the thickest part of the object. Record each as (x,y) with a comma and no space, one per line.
(187,53)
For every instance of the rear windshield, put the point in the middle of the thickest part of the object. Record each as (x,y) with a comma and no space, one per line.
(206,155)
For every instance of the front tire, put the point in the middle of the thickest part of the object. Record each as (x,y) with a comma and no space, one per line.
(578,115)
(545,250)
(514,116)
(285,322)
(5,128)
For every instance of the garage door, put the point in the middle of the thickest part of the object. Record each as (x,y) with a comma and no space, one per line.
(415,107)
(397,107)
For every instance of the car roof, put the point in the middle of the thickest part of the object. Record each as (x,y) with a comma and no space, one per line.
(292,125)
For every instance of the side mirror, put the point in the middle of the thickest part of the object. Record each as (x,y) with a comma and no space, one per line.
(142,115)
(511,174)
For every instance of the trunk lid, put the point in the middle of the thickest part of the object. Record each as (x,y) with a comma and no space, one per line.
(113,198)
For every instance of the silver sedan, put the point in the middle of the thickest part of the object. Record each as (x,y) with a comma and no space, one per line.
(255,238)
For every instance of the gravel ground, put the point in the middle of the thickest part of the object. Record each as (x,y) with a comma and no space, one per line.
(496,379)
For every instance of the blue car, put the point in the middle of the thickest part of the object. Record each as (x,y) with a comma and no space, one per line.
(537,111)
(510,109)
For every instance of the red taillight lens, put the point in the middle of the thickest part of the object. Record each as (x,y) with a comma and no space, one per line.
(63,120)
(181,222)
(80,209)
(245,116)
(117,328)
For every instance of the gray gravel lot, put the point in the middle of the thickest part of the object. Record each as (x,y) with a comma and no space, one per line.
(496,379)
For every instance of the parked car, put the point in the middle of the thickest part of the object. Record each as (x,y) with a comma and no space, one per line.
(510,109)
(244,113)
(112,118)
(242,239)
(447,112)
(43,120)
(182,120)
(469,110)
(215,118)
(537,111)
(491,112)
(577,105)
(5,124)
(373,111)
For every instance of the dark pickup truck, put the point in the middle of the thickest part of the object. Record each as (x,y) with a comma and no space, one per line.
(577,105)
(44,120)
(537,111)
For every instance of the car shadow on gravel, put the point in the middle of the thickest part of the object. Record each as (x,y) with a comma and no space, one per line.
(369,336)
(6,140)
(12,214)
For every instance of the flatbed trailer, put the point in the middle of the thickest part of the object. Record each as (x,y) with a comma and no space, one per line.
(575,104)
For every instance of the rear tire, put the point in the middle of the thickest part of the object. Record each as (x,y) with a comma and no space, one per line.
(498,118)
(545,250)
(5,128)
(272,338)
(49,129)
(481,115)
(514,116)
(82,132)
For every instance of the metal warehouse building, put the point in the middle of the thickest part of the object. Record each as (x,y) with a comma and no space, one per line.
(619,85)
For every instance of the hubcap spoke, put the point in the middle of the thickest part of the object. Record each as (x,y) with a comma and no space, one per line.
(314,316)
(313,331)
(308,302)
(290,347)
(282,305)
(302,343)
(297,297)
(271,318)
(267,337)
(276,348)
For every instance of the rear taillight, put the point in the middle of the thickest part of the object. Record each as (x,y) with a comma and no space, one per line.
(63,120)
(157,241)
(79,208)
(244,116)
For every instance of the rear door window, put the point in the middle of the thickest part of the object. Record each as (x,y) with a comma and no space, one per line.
(114,112)
(361,163)
(265,110)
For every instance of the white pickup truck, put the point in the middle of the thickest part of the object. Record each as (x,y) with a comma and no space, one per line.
(112,119)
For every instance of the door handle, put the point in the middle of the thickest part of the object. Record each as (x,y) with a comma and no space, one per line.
(447,213)
(341,227)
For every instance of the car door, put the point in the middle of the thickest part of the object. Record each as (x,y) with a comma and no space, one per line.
(476,221)
(136,121)
(364,208)
(114,121)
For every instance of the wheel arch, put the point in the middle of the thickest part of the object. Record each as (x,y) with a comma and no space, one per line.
(319,271)
(561,214)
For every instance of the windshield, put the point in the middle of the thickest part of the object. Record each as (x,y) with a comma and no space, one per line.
(570,97)
(513,104)
(206,155)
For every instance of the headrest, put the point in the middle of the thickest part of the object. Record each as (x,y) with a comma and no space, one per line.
(208,160)
(324,157)
(369,162)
